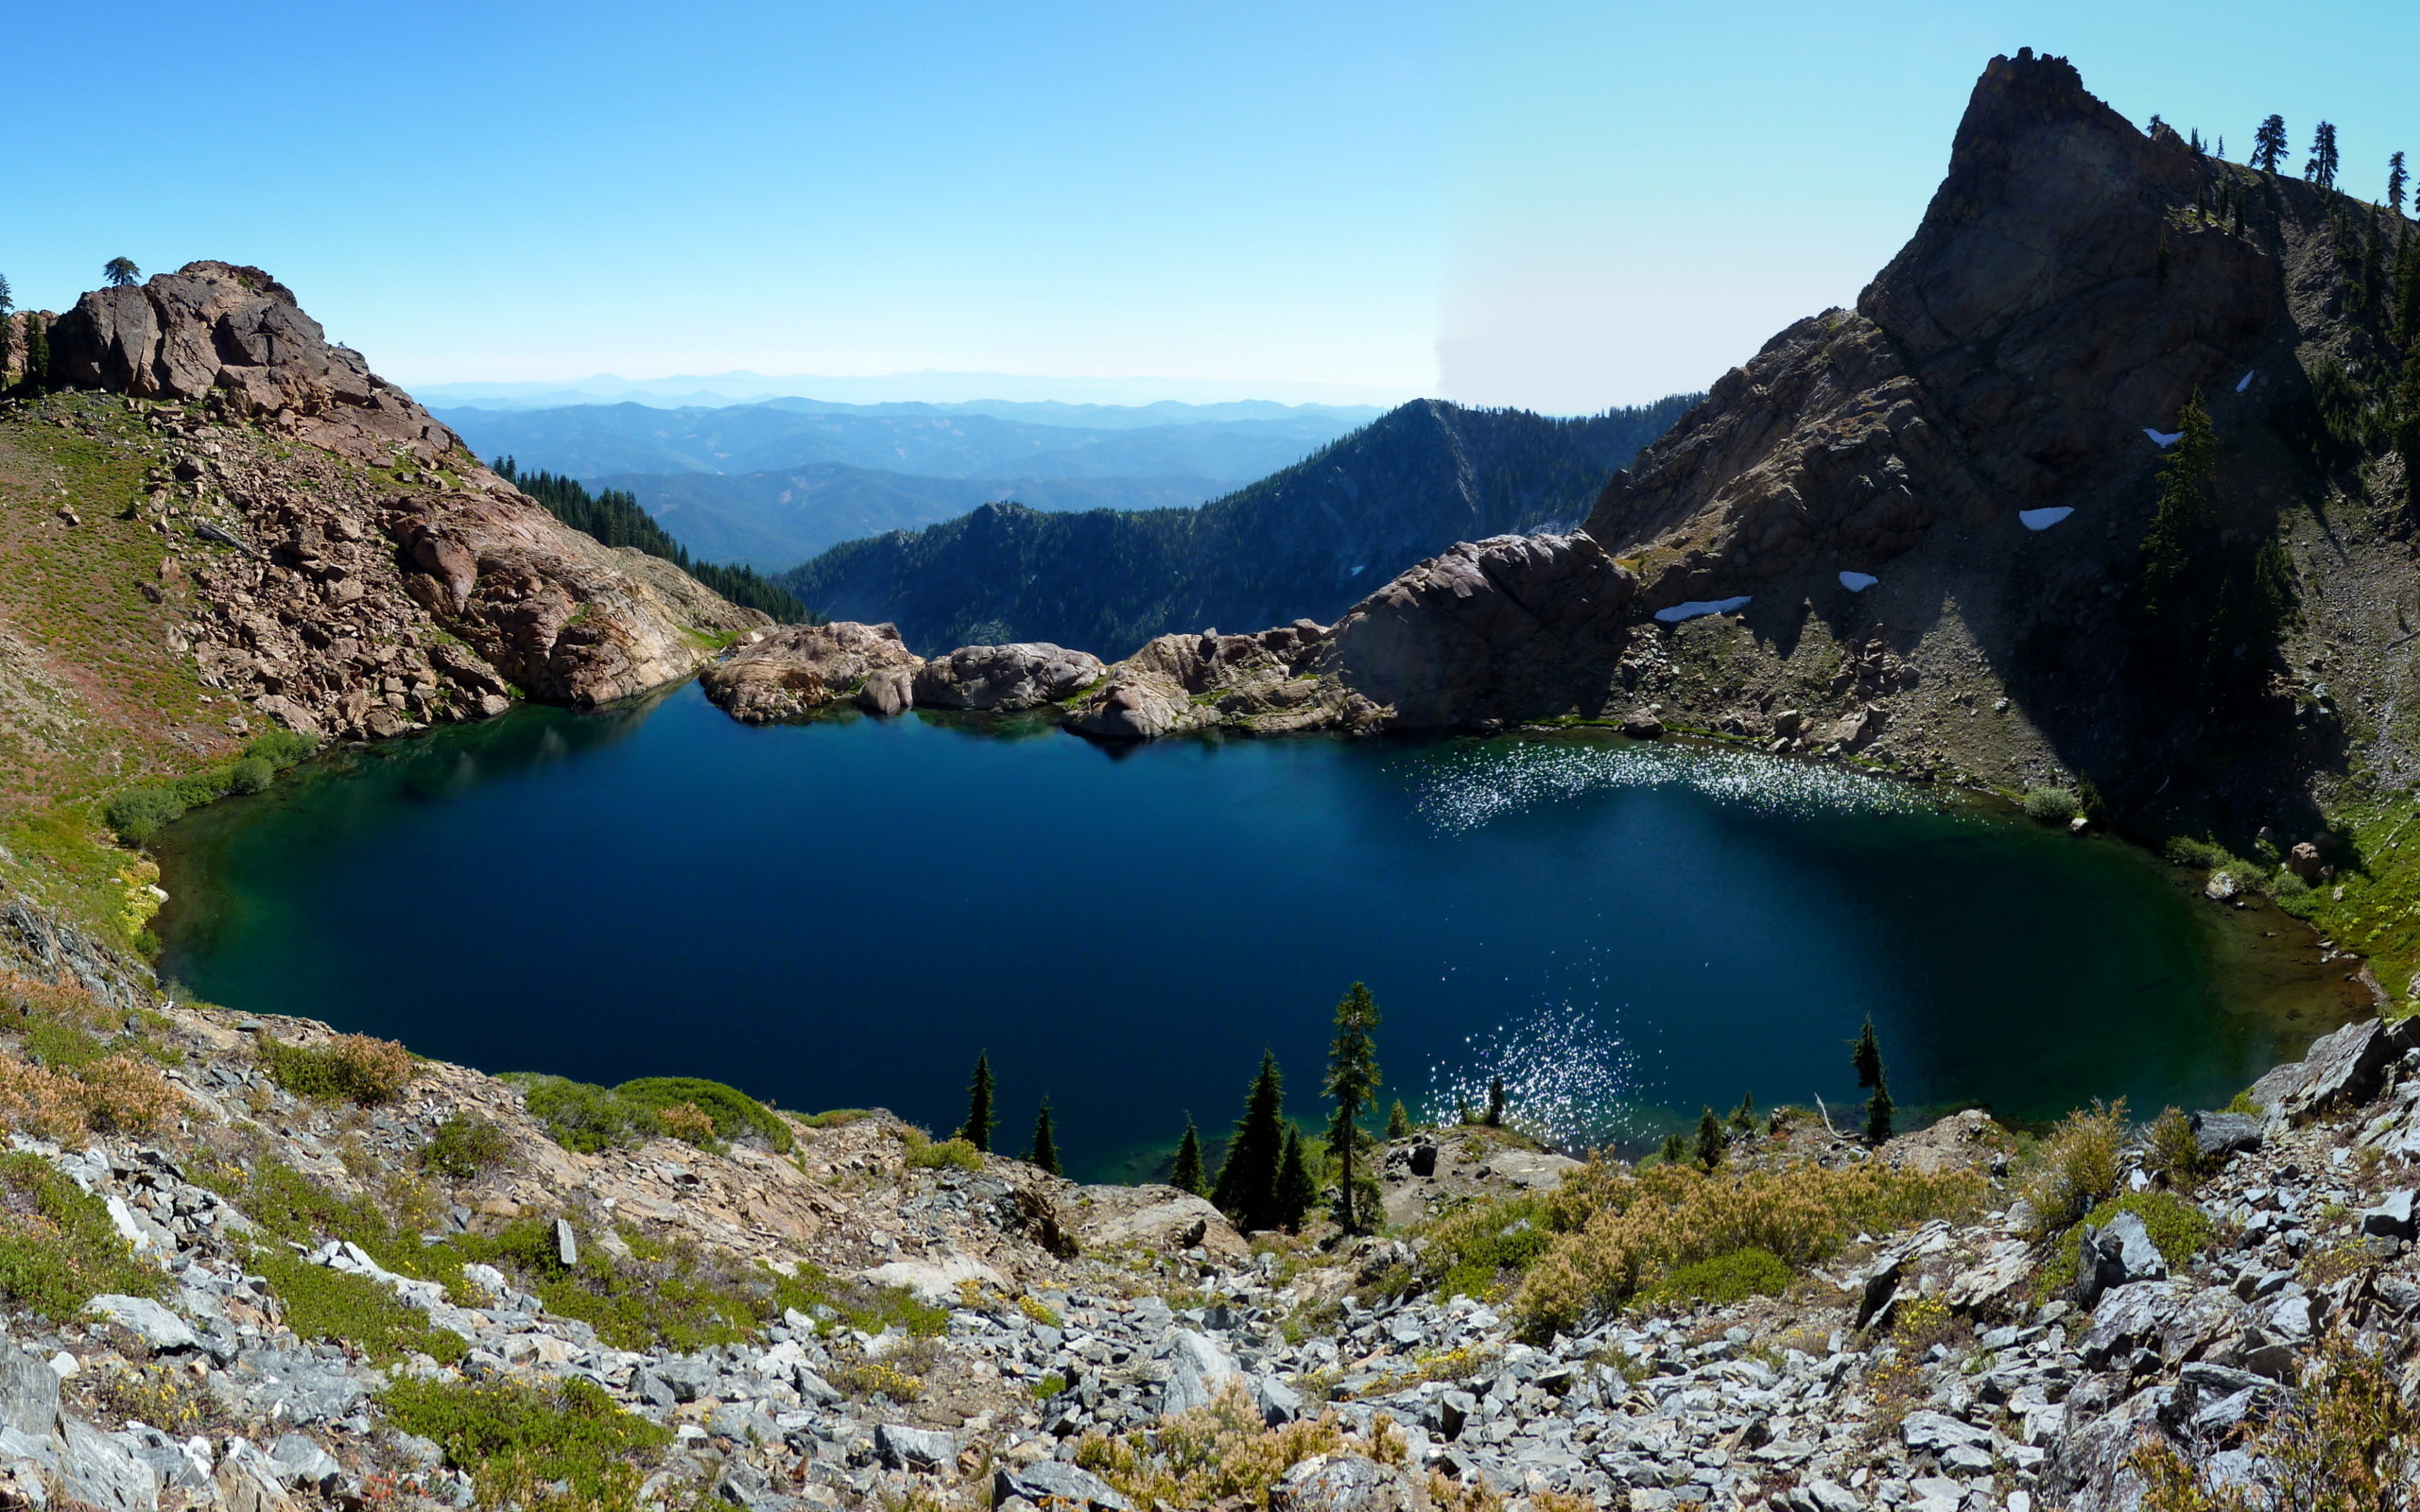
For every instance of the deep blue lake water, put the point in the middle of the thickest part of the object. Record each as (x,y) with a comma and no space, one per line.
(844,913)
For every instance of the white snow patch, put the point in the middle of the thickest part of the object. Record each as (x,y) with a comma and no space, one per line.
(2044,519)
(2245,382)
(1858,583)
(1696,607)
(2165,438)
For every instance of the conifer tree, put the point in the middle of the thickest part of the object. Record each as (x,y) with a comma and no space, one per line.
(1866,1056)
(1709,1139)
(1398,1121)
(2269,144)
(37,352)
(980,1120)
(1878,1113)
(1352,1080)
(1462,1114)
(2183,531)
(2395,181)
(1496,1102)
(2320,169)
(1045,1153)
(2221,151)
(1743,1117)
(121,271)
(1185,1175)
(1291,1195)
(1246,1189)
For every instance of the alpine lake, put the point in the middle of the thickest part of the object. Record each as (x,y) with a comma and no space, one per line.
(843,912)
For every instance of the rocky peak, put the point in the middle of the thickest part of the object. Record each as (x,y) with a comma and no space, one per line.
(214,328)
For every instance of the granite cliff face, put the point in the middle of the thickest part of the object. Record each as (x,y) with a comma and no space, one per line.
(374,577)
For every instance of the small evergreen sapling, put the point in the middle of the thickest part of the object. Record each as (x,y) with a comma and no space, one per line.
(1496,1102)
(1185,1175)
(1866,1056)
(980,1120)
(1398,1121)
(1293,1193)
(1878,1113)
(1045,1153)
(1743,1117)
(1709,1139)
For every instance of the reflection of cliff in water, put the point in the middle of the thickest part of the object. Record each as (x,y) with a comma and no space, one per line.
(342,787)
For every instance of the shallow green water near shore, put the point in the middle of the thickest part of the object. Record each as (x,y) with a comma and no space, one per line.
(843,913)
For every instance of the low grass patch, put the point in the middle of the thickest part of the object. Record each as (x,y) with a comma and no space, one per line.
(340,1308)
(1482,1250)
(542,1447)
(1721,1279)
(58,1248)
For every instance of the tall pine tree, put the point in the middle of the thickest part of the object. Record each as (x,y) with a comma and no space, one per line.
(2320,169)
(980,1120)
(2269,144)
(1185,1175)
(2395,181)
(1246,1189)
(1353,1082)
(37,375)
(1045,1153)
(1865,1054)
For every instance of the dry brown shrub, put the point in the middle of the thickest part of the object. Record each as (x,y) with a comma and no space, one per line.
(30,998)
(351,1066)
(1224,1454)
(2076,1170)
(38,1102)
(1618,1231)
(2346,1442)
(124,1094)
(687,1121)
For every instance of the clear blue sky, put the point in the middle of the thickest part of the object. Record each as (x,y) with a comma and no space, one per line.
(1564,206)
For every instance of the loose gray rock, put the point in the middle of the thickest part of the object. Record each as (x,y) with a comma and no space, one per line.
(28,1393)
(1055,1482)
(913,1448)
(301,1463)
(1341,1483)
(2221,1134)
(1197,1365)
(147,1320)
(2391,1218)
(566,1243)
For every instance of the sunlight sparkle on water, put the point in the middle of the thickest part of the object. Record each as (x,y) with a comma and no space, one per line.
(1479,784)
(1569,1078)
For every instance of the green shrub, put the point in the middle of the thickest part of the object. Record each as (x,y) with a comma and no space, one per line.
(576,1114)
(518,1442)
(736,1115)
(251,775)
(139,813)
(2179,1230)
(1725,1280)
(2172,1151)
(836,1117)
(588,1119)
(2187,852)
(2051,805)
(58,1248)
(350,1067)
(280,747)
(62,1046)
(932,1155)
(343,1308)
(2078,1168)
(1479,1251)
(465,1146)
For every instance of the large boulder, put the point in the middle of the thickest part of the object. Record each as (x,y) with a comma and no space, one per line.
(801,668)
(1157,1218)
(1003,678)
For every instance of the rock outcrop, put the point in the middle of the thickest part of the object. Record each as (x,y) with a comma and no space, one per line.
(801,668)
(1005,679)
(375,578)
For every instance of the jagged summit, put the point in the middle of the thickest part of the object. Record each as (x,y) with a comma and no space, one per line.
(218,328)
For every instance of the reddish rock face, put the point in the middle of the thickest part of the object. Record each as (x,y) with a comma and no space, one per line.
(377,579)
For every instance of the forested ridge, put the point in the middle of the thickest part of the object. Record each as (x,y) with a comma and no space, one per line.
(615,518)
(1305,542)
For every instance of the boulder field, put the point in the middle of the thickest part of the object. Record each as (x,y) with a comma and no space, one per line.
(969,1331)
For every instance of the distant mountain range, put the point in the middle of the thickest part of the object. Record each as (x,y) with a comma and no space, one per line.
(1307,541)
(929,387)
(778,519)
(772,484)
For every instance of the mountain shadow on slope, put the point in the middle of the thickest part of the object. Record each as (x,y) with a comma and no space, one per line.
(1304,543)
